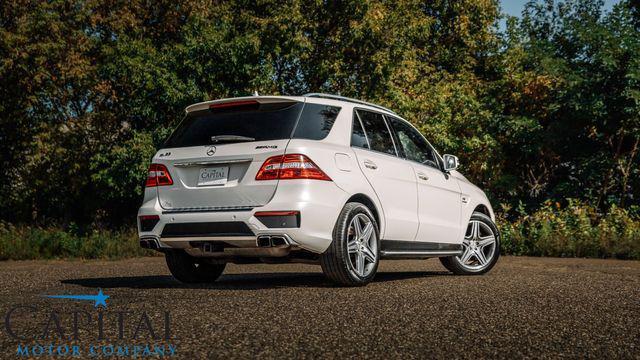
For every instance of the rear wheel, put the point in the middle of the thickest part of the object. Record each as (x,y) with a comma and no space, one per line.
(481,246)
(190,270)
(353,256)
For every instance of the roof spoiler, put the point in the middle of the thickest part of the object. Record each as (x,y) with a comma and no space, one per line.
(261,99)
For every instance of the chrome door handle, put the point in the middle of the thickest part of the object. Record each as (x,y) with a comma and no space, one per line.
(423,176)
(370,164)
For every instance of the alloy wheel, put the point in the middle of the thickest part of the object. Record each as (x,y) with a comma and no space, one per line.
(479,246)
(362,245)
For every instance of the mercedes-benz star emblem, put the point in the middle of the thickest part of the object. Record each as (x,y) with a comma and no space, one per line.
(211,150)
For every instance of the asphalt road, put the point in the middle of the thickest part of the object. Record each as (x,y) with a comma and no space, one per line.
(526,307)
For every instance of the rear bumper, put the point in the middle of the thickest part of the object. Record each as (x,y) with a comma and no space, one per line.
(319,204)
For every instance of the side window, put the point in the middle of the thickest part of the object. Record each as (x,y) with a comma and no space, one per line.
(377,132)
(358,138)
(413,144)
(316,121)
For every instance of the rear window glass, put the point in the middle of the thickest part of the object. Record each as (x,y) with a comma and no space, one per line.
(273,121)
(316,121)
(358,138)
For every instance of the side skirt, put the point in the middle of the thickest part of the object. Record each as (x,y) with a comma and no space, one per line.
(395,249)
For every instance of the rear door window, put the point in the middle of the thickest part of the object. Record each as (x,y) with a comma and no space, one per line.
(377,132)
(316,121)
(252,121)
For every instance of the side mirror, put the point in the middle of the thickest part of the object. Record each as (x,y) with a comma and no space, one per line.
(450,162)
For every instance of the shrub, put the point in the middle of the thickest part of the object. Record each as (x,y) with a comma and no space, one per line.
(576,230)
(25,243)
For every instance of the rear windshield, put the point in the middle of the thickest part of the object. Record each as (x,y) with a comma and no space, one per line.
(261,122)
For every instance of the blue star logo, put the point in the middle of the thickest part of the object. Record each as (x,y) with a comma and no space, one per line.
(100,299)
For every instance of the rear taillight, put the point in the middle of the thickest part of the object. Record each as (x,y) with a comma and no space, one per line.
(158,176)
(290,166)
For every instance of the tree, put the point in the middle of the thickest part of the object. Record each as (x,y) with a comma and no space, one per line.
(89,89)
(569,98)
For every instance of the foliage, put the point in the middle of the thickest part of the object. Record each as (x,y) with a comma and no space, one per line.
(569,99)
(577,230)
(26,243)
(546,109)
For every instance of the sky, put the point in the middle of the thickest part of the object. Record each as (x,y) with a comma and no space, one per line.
(514,7)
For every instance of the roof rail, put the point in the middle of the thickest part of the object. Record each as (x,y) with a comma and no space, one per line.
(343,98)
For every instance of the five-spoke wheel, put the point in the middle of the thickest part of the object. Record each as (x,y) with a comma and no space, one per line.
(481,247)
(353,256)
(362,245)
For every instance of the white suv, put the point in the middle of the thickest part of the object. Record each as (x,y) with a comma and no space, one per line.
(316,179)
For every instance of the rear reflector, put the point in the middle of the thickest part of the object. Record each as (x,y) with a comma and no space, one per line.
(290,166)
(158,176)
(279,219)
(277,213)
(148,222)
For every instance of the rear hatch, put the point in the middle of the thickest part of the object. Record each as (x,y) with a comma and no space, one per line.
(214,154)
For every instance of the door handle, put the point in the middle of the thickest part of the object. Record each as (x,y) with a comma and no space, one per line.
(423,176)
(370,164)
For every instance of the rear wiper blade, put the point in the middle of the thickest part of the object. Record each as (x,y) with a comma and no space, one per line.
(230,138)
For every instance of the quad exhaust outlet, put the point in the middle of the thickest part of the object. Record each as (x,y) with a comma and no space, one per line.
(272,241)
(149,243)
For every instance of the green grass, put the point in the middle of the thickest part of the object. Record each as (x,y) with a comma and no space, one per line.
(26,243)
(576,230)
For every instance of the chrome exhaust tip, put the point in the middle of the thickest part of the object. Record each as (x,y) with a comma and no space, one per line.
(150,243)
(153,244)
(263,241)
(278,241)
(272,241)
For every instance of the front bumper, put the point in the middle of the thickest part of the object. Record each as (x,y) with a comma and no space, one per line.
(319,204)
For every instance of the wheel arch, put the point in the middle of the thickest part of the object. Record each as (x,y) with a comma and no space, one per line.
(368,202)
(481,208)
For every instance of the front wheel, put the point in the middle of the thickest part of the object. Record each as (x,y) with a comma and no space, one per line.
(190,270)
(353,256)
(481,248)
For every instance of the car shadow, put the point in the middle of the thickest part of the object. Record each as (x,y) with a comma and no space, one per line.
(250,281)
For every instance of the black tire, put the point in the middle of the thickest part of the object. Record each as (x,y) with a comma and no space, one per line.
(335,261)
(190,270)
(453,264)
